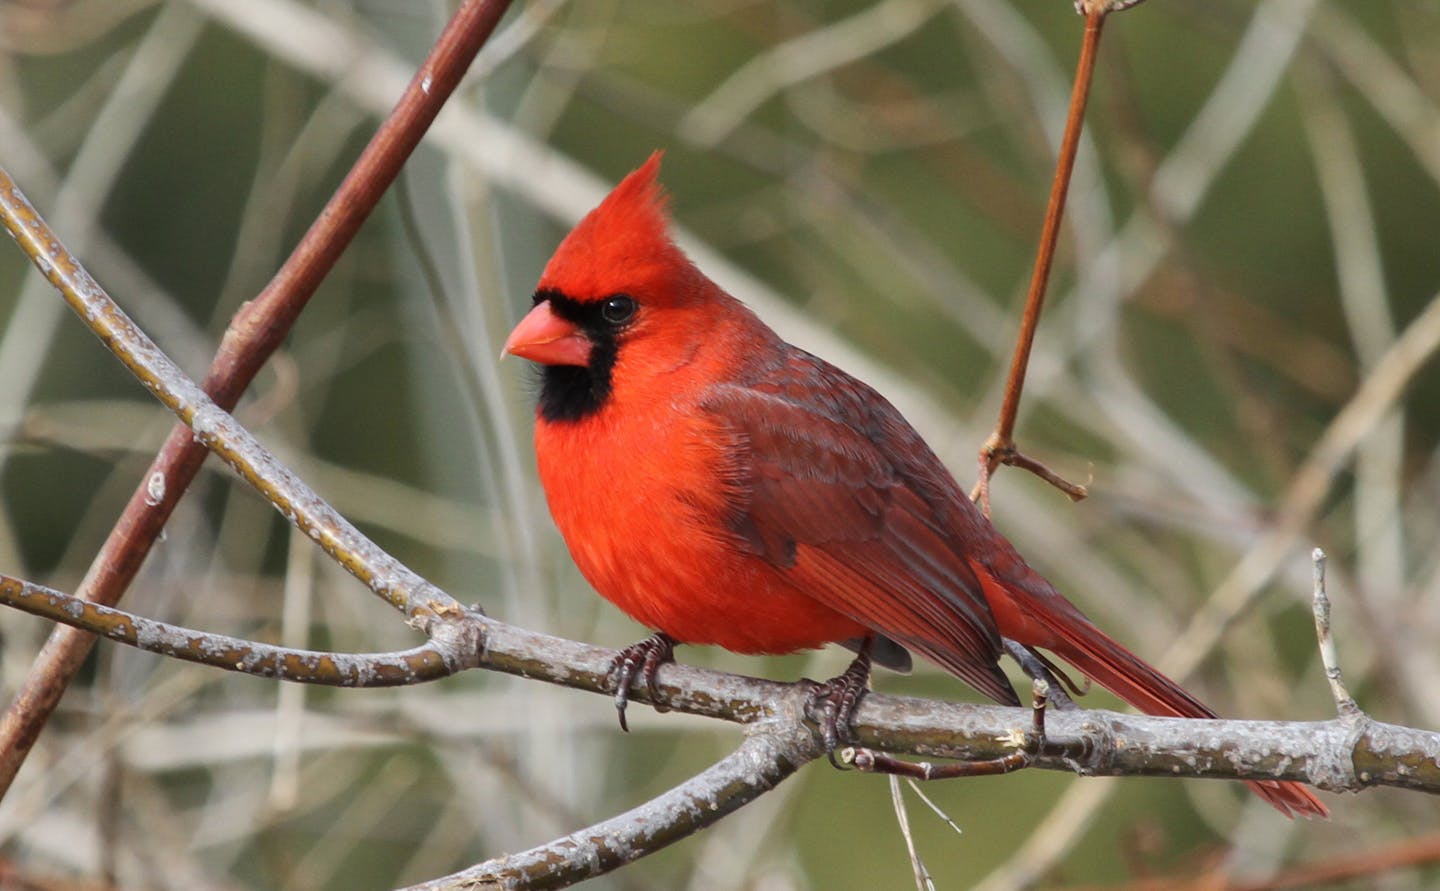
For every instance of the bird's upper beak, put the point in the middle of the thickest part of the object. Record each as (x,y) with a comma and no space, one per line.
(548,339)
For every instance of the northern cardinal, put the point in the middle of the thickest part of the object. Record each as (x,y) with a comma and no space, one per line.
(724,487)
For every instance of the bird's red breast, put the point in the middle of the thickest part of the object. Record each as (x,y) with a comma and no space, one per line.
(642,489)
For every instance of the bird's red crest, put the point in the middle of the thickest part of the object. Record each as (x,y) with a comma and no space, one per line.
(622,245)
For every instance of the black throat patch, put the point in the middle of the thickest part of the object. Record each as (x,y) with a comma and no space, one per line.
(570,393)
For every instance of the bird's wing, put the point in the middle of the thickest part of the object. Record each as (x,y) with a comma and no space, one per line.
(835,489)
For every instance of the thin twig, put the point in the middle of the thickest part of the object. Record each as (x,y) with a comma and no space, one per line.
(923,881)
(1344,702)
(1000,448)
(1104,7)
(944,817)
(1179,187)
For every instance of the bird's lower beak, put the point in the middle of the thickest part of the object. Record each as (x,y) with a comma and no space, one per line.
(548,339)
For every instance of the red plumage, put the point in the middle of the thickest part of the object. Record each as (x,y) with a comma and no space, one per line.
(724,487)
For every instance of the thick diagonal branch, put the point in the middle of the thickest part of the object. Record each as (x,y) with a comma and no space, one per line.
(253,336)
(770,753)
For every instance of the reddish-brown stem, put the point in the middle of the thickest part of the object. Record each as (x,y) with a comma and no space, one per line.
(870,761)
(1075,491)
(1000,447)
(1368,863)
(253,335)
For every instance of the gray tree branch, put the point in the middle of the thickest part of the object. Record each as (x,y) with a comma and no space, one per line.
(1345,754)
(771,752)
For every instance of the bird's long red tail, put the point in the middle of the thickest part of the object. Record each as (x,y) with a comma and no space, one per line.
(1048,620)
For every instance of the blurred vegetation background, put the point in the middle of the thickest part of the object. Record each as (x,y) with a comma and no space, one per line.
(1253,223)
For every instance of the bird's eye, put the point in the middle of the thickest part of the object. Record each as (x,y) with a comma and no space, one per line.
(617,310)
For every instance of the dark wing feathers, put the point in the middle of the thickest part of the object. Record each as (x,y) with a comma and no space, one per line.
(840,493)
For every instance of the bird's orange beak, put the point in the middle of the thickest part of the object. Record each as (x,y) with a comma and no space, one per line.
(548,339)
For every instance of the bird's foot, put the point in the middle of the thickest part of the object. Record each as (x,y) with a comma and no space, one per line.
(832,704)
(643,658)
(1040,669)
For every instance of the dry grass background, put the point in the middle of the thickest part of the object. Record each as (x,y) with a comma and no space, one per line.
(1252,231)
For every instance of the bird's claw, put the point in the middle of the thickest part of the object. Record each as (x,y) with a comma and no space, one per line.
(643,658)
(831,705)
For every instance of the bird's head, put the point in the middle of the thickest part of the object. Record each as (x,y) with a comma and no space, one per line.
(617,280)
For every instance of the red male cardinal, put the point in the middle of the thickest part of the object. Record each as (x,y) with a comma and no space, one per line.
(724,487)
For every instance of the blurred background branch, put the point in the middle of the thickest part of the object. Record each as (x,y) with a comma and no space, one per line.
(252,336)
